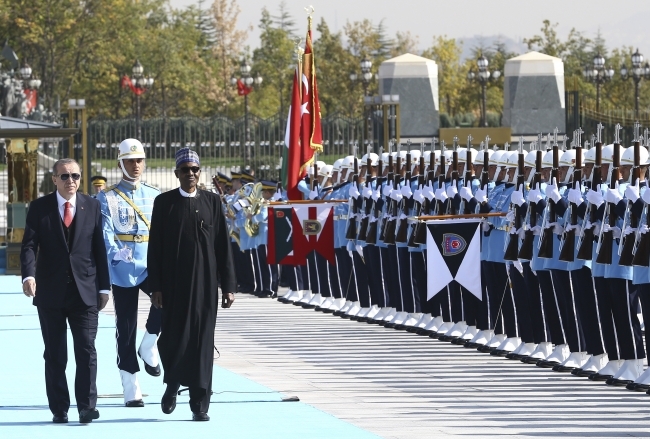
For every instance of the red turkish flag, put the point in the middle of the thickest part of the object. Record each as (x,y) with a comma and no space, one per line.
(242,89)
(311,132)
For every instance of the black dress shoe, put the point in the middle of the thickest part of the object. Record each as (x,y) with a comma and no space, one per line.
(153,371)
(361,319)
(413,329)
(546,364)
(560,368)
(471,345)
(389,325)
(529,360)
(485,349)
(424,332)
(135,403)
(459,341)
(617,382)
(60,419)
(400,327)
(598,377)
(435,335)
(86,416)
(337,313)
(199,416)
(308,306)
(168,401)
(579,372)
(327,310)
(499,353)
(373,321)
(445,337)
(638,387)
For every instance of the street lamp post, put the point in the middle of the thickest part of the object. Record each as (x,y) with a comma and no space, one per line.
(366,76)
(599,74)
(244,86)
(140,85)
(483,76)
(637,73)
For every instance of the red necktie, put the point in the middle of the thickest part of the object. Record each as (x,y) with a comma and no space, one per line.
(67,214)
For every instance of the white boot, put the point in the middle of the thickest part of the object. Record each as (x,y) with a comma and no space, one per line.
(509,344)
(575,361)
(306,297)
(132,393)
(316,300)
(543,350)
(525,349)
(326,303)
(412,319)
(354,309)
(470,333)
(496,341)
(434,324)
(400,318)
(457,330)
(595,363)
(148,351)
(559,354)
(630,371)
(383,312)
(424,321)
(390,316)
(363,312)
(610,369)
(482,337)
(445,327)
(374,310)
(644,378)
(346,306)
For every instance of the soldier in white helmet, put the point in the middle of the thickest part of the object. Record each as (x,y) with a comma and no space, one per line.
(126,208)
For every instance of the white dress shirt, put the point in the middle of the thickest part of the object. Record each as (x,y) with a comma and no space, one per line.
(61,202)
(188,194)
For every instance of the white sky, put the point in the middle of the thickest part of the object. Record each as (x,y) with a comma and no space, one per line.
(622,22)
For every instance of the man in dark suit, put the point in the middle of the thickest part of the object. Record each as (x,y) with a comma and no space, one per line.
(63,252)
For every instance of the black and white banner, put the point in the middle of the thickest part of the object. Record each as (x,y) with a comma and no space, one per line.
(454,253)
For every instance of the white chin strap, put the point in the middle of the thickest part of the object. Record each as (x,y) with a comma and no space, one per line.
(496,174)
(124,171)
(609,174)
(568,175)
(506,179)
(531,174)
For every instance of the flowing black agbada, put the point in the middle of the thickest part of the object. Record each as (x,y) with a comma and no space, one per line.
(188,247)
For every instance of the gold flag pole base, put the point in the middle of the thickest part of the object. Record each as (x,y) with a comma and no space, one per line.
(463,216)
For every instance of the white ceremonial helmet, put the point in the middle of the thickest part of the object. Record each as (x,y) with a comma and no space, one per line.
(568,158)
(547,159)
(512,160)
(337,165)
(130,149)
(384,157)
(320,164)
(495,159)
(590,155)
(325,172)
(530,159)
(627,158)
(478,159)
(607,153)
(374,158)
(462,155)
(415,159)
(348,162)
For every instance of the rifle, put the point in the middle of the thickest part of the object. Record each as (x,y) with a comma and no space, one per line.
(511,252)
(467,177)
(371,237)
(454,175)
(642,240)
(351,232)
(393,207)
(417,205)
(420,230)
(605,245)
(485,172)
(526,248)
(441,178)
(546,240)
(367,202)
(390,177)
(626,247)
(401,235)
(568,241)
(586,240)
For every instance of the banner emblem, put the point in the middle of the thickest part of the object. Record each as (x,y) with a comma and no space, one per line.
(279,213)
(311,227)
(452,244)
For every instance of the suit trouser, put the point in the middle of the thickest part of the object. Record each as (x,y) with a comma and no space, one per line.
(83,325)
(570,325)
(312,269)
(388,274)
(360,271)
(456,302)
(551,307)
(502,315)
(125,301)
(243,269)
(587,311)
(346,275)
(625,302)
(375,280)
(293,275)
(305,276)
(522,306)
(335,278)
(266,274)
(606,317)
(405,279)
(535,304)
(643,291)
(419,268)
(199,397)
(325,286)
(483,307)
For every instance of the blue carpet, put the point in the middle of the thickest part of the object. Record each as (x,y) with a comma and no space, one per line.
(254,412)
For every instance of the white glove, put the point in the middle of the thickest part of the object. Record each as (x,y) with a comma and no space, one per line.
(535,196)
(428,192)
(632,192)
(466,193)
(517,196)
(386,190)
(613,195)
(595,197)
(575,197)
(406,191)
(646,196)
(396,195)
(417,196)
(125,254)
(314,194)
(367,192)
(452,190)
(510,216)
(354,191)
(375,194)
(441,195)
(616,231)
(277,196)
(481,195)
(558,229)
(552,192)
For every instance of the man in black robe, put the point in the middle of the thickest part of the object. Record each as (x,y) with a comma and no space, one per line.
(189,249)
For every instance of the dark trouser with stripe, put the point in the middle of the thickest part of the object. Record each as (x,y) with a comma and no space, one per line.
(643,291)
(388,272)
(293,275)
(585,300)
(266,275)
(551,307)
(314,284)
(335,278)
(456,302)
(564,294)
(625,302)
(346,276)
(502,315)
(522,306)
(243,269)
(361,275)
(125,301)
(471,305)
(419,268)
(604,303)
(304,269)
(323,276)
(395,292)
(373,270)
(483,310)
(536,310)
(406,280)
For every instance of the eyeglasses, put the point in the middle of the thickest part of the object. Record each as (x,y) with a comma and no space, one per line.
(74,176)
(186,169)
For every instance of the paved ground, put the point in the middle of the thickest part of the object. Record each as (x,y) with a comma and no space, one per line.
(400,385)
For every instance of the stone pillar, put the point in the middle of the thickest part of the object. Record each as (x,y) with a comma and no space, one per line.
(533,94)
(415,80)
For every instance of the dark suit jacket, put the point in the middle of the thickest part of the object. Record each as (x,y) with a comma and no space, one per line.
(45,254)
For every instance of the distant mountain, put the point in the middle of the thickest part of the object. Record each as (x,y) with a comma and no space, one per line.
(488,42)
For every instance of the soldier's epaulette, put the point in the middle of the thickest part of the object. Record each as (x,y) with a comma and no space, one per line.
(108,189)
(150,186)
